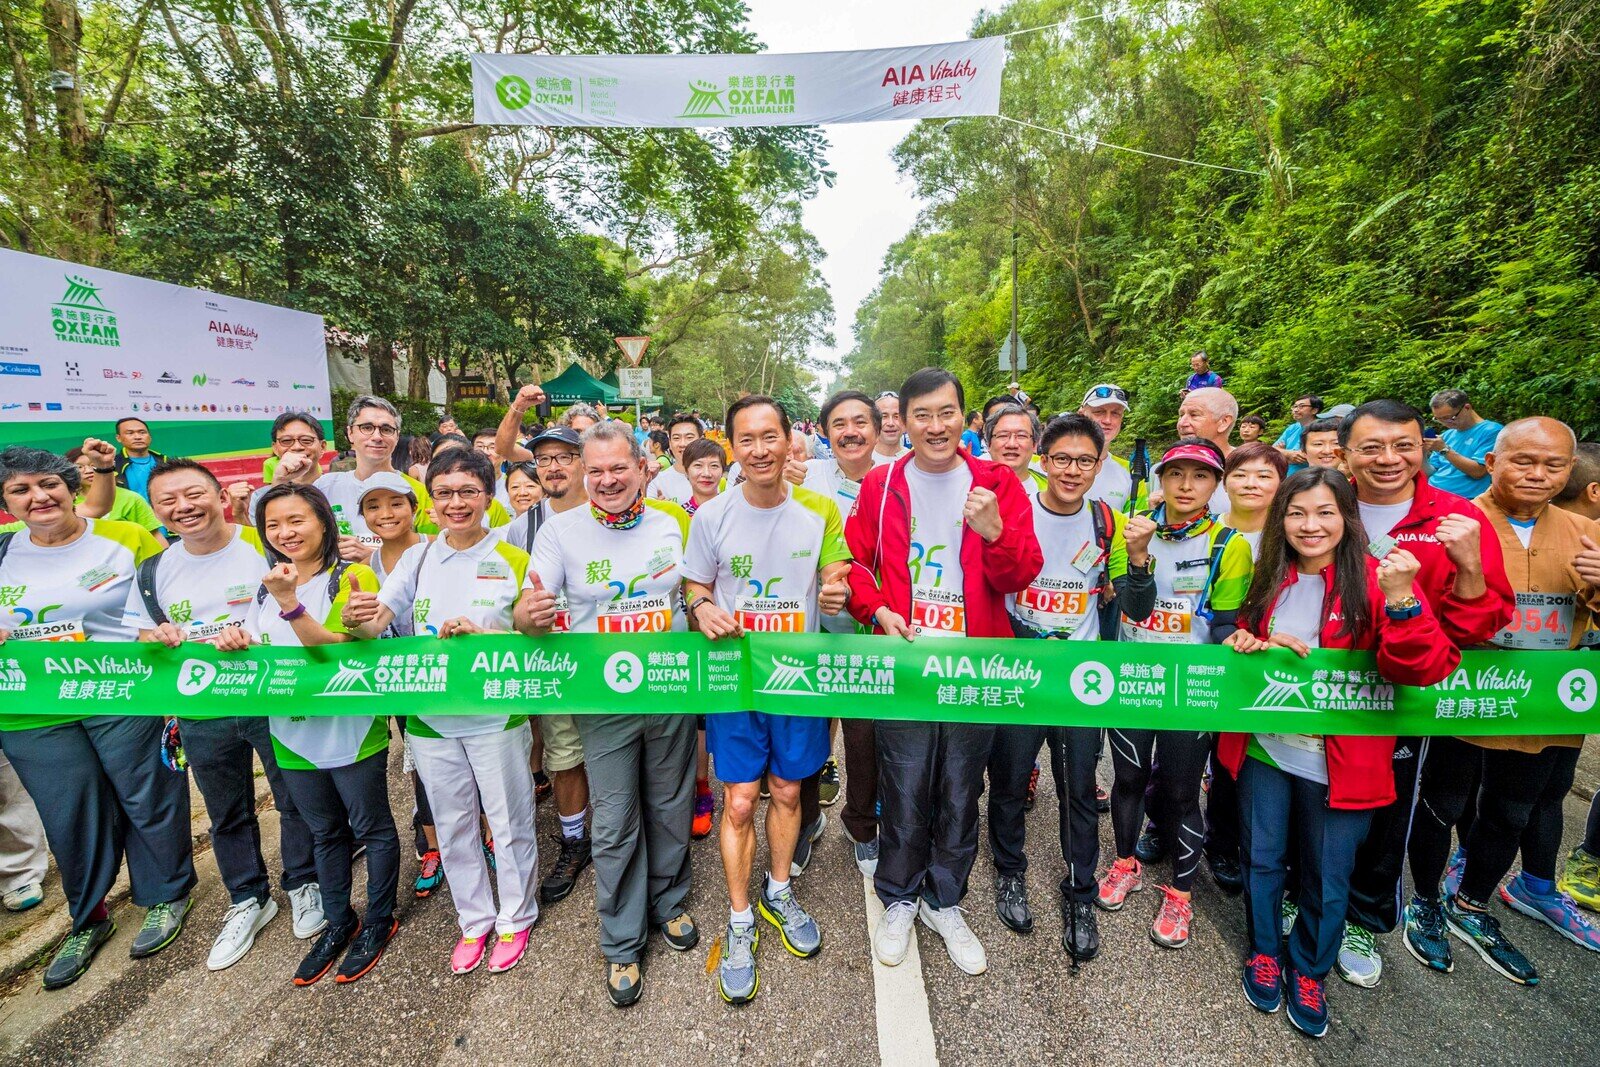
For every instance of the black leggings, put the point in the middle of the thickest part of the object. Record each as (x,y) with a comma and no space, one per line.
(1183,759)
(1519,808)
(1591,832)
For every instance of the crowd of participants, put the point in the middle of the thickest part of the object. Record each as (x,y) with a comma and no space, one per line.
(905,515)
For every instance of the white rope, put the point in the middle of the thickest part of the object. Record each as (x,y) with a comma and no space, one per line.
(1057,25)
(1095,142)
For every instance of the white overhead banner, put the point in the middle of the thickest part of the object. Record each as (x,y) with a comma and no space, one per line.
(81,345)
(758,89)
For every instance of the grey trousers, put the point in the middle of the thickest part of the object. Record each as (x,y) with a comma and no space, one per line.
(641,790)
(24,857)
(103,792)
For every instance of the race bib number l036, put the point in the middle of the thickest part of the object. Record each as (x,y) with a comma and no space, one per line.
(937,613)
(636,615)
(769,615)
(1172,622)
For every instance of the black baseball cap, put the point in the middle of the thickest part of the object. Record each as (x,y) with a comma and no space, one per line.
(564,435)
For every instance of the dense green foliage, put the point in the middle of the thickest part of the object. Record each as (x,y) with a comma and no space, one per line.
(1421,208)
(319,154)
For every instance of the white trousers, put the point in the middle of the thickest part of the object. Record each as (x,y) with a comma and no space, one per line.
(24,856)
(491,769)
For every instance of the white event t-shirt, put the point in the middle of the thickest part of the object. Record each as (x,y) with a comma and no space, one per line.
(77,591)
(938,502)
(202,594)
(672,485)
(613,581)
(1379,520)
(343,490)
(1064,599)
(1299,613)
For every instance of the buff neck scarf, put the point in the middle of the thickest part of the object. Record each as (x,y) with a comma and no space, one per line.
(623,520)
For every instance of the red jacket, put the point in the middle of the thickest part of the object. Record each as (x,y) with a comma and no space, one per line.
(878,532)
(1466,622)
(1412,652)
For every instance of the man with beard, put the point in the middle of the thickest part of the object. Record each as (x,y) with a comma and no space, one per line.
(1107,405)
(891,428)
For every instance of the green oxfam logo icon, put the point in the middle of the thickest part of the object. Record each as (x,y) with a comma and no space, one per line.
(199,379)
(513,92)
(705,101)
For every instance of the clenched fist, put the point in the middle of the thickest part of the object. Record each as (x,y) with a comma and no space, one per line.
(982,513)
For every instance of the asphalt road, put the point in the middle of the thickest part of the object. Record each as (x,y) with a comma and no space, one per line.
(1136,1004)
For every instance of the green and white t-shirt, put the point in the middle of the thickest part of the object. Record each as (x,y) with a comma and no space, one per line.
(938,503)
(1180,569)
(318,742)
(202,594)
(1064,600)
(614,581)
(1299,613)
(343,490)
(763,563)
(1113,484)
(71,592)
(824,476)
(434,582)
(671,485)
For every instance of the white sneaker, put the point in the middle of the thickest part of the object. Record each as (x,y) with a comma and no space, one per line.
(892,940)
(959,940)
(238,933)
(306,903)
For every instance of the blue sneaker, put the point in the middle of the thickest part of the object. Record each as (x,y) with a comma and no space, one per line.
(1453,873)
(1482,931)
(1424,935)
(796,928)
(1308,1003)
(1556,910)
(737,980)
(1263,982)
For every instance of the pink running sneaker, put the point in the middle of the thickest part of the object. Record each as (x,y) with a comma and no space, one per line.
(468,954)
(1171,927)
(1122,879)
(508,950)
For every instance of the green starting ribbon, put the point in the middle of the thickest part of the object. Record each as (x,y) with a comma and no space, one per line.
(1053,683)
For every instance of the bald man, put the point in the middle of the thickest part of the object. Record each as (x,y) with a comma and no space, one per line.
(1211,414)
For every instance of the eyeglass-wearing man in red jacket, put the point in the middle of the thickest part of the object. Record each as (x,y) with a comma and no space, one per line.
(1464,582)
(939,539)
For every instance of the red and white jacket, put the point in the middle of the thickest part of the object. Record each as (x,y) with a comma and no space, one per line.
(1466,622)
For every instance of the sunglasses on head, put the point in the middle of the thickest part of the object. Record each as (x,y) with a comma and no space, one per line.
(887,393)
(1109,392)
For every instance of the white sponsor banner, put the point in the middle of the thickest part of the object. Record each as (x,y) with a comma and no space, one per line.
(83,344)
(796,89)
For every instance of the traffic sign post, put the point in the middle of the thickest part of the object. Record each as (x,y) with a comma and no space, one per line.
(633,348)
(1007,365)
(634,383)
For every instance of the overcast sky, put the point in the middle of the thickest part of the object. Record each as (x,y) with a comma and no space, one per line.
(869,206)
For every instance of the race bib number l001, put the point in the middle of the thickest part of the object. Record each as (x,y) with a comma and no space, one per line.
(769,615)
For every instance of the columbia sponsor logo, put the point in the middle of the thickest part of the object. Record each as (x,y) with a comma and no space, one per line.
(1334,690)
(392,675)
(831,675)
(21,370)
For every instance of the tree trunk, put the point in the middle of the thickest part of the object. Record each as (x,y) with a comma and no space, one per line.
(380,364)
(417,368)
(88,208)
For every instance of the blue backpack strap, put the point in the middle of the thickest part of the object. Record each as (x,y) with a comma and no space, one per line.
(1224,535)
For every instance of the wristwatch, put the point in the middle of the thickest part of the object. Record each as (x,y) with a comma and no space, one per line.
(105,470)
(1408,608)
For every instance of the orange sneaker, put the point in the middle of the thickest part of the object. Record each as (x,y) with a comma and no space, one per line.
(1122,879)
(705,806)
(1171,926)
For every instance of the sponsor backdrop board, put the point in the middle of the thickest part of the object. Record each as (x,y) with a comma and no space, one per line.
(81,347)
(795,89)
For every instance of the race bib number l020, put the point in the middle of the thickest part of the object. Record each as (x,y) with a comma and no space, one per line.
(769,615)
(937,613)
(636,615)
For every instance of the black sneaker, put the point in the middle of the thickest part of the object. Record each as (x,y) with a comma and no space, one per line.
(325,952)
(1102,799)
(1227,872)
(72,958)
(563,877)
(1150,847)
(366,949)
(1011,902)
(828,783)
(809,836)
(1080,930)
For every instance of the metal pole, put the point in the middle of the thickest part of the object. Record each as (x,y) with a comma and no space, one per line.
(1011,342)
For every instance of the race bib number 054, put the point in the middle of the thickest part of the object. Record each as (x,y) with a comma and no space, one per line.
(1540,621)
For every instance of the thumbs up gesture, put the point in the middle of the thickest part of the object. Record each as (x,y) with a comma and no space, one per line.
(1587,562)
(536,608)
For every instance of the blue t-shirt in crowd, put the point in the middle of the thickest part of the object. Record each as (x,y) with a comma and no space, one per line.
(1209,380)
(1474,444)
(972,441)
(137,475)
(1292,439)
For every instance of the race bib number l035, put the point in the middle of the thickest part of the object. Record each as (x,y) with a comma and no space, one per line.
(769,615)
(937,613)
(636,615)
(1054,604)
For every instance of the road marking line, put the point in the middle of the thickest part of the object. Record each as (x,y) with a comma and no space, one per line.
(905,1029)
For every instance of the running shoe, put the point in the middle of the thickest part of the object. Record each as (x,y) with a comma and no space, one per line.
(508,950)
(1453,873)
(1482,931)
(468,954)
(1080,930)
(705,805)
(624,983)
(1290,912)
(1308,1003)
(563,877)
(892,939)
(804,845)
(366,949)
(867,857)
(1150,848)
(1033,788)
(1227,872)
(737,979)
(1011,902)
(162,925)
(1171,926)
(240,924)
(24,897)
(1556,910)
(1581,878)
(828,783)
(76,951)
(680,933)
(1358,961)
(429,874)
(325,952)
(543,787)
(1263,983)
(965,950)
(1424,934)
(1122,879)
(1102,799)
(796,928)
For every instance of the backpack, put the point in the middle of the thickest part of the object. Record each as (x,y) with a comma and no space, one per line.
(146,579)
(334,577)
(5,544)
(1224,535)
(535,521)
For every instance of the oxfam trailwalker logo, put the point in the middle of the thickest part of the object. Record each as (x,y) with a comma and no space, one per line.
(745,94)
(791,676)
(1329,690)
(80,317)
(393,675)
(513,92)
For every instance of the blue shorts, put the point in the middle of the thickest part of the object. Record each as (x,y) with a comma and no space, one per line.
(747,744)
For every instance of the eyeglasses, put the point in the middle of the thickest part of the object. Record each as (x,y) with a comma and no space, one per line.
(1109,392)
(1064,461)
(466,496)
(1012,435)
(378,429)
(560,459)
(1400,448)
(301,442)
